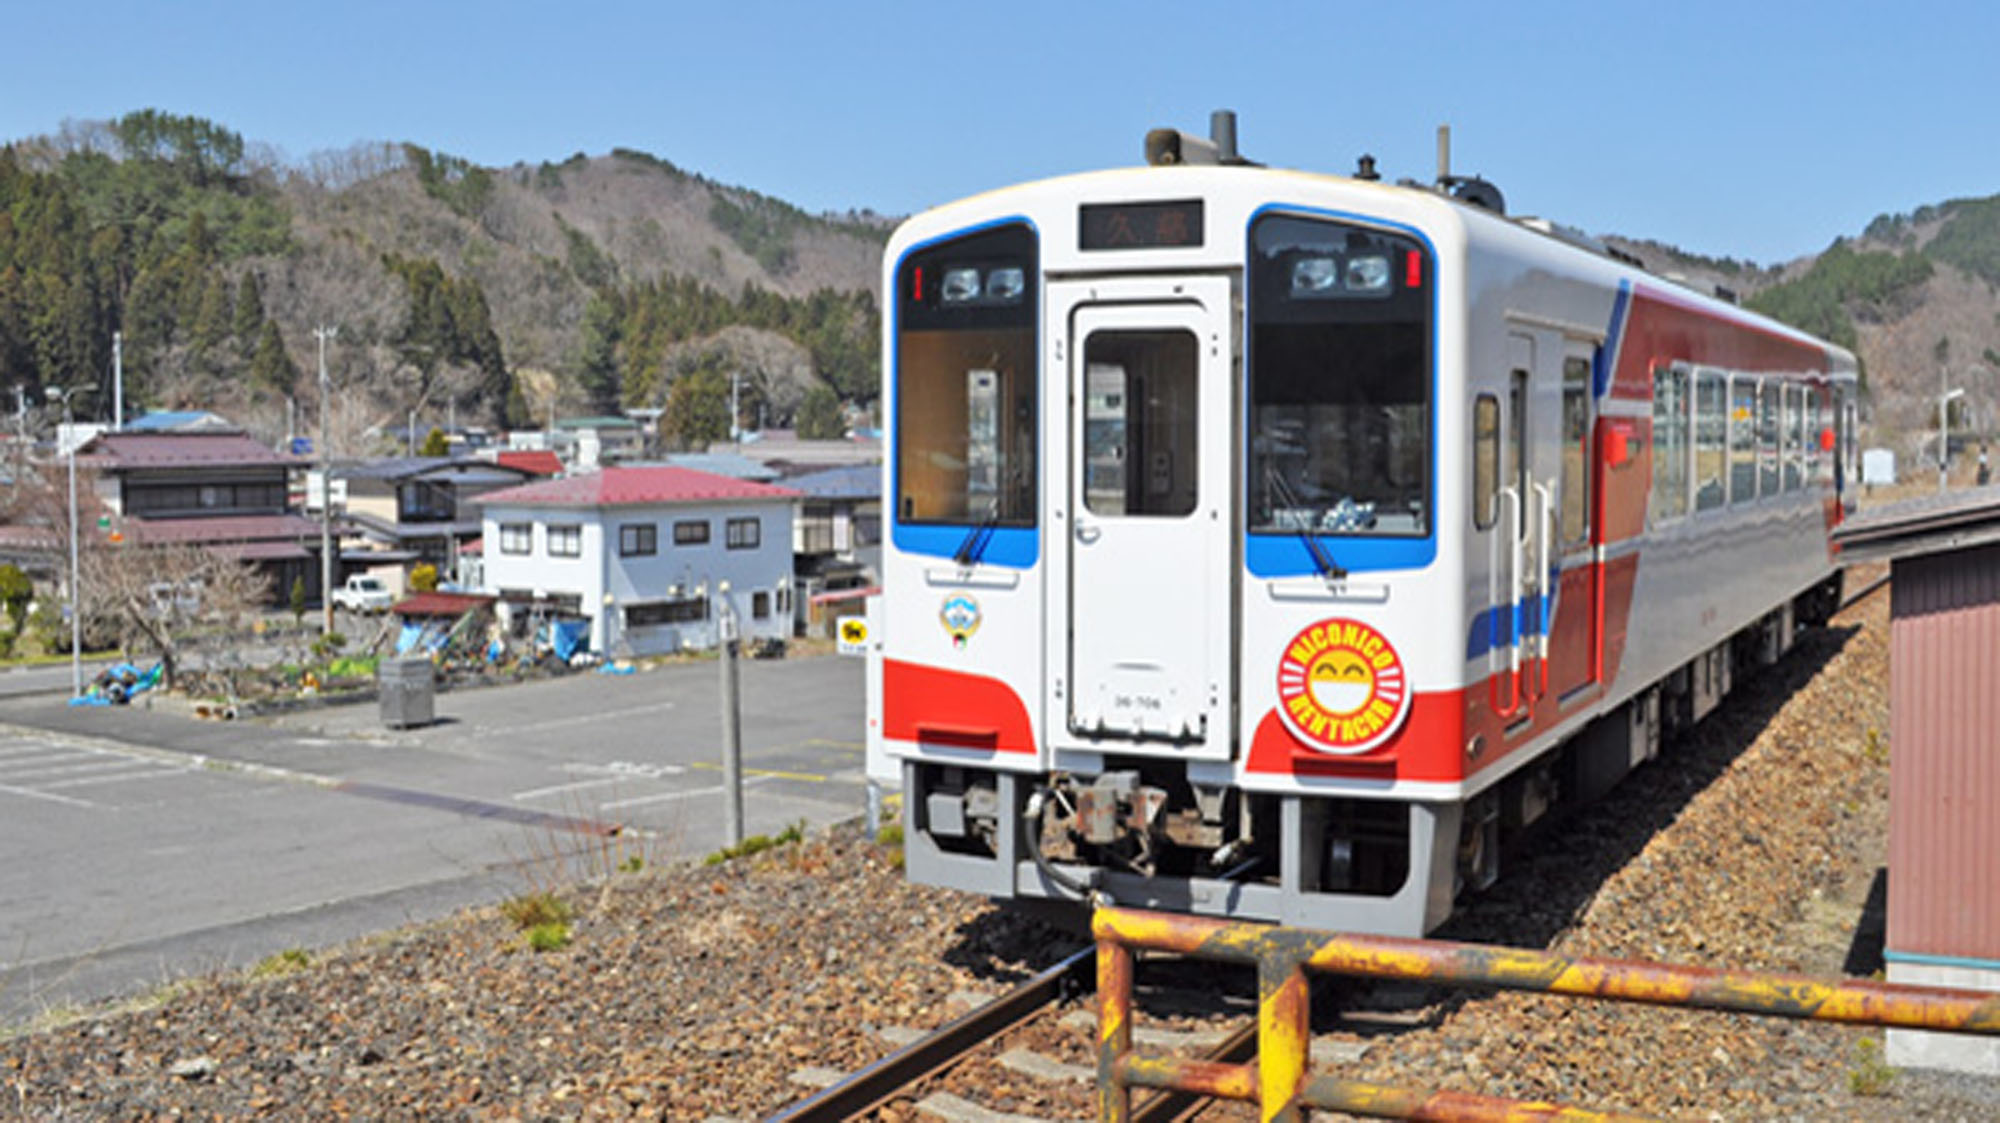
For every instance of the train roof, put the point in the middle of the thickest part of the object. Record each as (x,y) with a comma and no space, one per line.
(1477,202)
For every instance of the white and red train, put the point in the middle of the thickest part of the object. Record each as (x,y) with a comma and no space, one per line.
(1270,545)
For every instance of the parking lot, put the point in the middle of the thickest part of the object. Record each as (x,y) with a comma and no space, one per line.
(146,845)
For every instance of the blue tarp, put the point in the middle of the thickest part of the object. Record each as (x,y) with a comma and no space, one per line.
(115,675)
(567,637)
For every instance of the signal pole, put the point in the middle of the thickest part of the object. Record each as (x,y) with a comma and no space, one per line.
(324,333)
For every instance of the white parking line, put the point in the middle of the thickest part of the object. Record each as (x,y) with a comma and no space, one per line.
(582,719)
(31,761)
(148,772)
(668,797)
(52,769)
(557,789)
(50,796)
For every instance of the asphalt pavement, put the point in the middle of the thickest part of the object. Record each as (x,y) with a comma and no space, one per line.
(143,845)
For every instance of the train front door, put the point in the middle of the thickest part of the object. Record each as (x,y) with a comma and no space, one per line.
(1139,538)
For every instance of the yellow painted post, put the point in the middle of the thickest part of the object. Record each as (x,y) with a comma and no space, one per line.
(1284,1017)
(1114,1029)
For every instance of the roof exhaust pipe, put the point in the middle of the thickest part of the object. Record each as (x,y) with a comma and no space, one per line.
(1170,147)
(1465,188)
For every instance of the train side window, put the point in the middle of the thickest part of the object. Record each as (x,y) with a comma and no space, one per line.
(1711,419)
(1795,434)
(1574,531)
(1670,443)
(1485,461)
(1769,434)
(1742,439)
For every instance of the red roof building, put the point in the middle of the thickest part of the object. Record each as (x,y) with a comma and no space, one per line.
(542,462)
(632,487)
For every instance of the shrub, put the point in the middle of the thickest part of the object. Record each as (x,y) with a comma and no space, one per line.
(536,910)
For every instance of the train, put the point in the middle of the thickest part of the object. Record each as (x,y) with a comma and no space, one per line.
(1279,545)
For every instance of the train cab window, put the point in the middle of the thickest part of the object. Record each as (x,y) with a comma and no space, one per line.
(1742,439)
(1670,443)
(1711,425)
(1340,380)
(1770,436)
(965,381)
(1139,423)
(1485,461)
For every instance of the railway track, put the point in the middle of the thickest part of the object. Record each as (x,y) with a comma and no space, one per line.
(905,1069)
(902,1071)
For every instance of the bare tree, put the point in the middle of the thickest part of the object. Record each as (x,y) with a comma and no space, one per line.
(156,596)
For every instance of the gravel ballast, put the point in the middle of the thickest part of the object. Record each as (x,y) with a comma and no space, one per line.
(710,992)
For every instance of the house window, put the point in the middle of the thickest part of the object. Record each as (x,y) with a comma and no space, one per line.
(745,534)
(760,605)
(692,532)
(638,540)
(649,614)
(517,538)
(565,541)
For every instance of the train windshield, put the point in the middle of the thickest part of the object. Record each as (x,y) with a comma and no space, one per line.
(1340,386)
(965,380)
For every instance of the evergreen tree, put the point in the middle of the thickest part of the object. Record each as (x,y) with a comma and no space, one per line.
(697,409)
(434,444)
(212,323)
(271,365)
(820,417)
(249,323)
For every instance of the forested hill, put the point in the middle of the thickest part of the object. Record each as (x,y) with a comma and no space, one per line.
(500,296)
(1916,296)
(495,296)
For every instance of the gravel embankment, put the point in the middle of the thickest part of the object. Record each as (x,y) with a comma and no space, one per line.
(698,993)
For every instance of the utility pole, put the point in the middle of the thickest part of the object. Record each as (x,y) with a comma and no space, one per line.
(117,381)
(732,719)
(324,333)
(68,440)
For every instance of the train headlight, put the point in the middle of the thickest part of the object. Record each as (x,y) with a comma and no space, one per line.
(1367,274)
(1005,285)
(1314,276)
(960,285)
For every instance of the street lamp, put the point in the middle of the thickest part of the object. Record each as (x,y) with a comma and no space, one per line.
(68,437)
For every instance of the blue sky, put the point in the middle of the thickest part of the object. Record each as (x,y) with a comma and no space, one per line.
(1760,128)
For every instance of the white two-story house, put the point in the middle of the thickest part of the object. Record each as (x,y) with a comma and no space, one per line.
(647,555)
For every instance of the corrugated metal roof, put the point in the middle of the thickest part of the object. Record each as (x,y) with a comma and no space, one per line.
(440,603)
(540,462)
(863,481)
(221,528)
(120,452)
(1945,521)
(630,487)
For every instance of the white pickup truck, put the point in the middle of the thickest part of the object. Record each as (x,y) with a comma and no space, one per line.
(363,594)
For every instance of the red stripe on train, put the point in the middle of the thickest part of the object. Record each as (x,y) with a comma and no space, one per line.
(935,706)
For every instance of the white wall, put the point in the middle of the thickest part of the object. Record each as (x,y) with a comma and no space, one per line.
(697,569)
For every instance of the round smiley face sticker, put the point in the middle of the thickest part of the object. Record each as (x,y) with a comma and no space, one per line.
(1341,687)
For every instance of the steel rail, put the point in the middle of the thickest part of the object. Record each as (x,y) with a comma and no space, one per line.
(1849,600)
(879,1082)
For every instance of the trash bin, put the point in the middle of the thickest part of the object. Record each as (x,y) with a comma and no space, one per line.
(407,688)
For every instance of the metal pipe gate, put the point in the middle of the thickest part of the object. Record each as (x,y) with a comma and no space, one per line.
(1282,1088)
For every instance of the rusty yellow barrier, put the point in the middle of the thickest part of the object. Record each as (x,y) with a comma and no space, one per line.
(1281,1087)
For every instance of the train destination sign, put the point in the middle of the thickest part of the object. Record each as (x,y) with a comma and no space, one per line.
(1139,226)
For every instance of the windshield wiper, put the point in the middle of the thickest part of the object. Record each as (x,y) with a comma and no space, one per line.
(979,537)
(1322,560)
